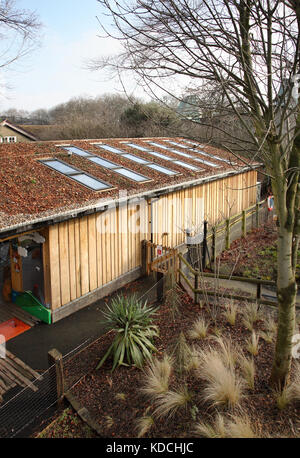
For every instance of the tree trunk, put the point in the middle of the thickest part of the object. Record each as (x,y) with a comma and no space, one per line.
(286,294)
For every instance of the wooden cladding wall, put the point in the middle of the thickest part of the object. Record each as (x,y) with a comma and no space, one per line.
(84,254)
(87,253)
(213,201)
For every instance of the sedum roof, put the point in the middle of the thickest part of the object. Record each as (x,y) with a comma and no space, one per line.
(30,190)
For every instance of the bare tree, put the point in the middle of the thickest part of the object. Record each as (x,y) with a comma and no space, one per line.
(249,49)
(19,30)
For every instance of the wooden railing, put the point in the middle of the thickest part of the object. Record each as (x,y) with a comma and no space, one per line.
(158,258)
(197,275)
(228,223)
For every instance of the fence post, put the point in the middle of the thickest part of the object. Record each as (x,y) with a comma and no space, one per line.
(244,226)
(159,286)
(55,358)
(227,240)
(214,244)
(258,291)
(179,269)
(196,286)
(204,245)
(257,215)
(144,258)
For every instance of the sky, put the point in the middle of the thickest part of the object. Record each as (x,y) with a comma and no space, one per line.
(56,71)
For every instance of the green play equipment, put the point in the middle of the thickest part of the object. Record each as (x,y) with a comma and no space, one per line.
(28,302)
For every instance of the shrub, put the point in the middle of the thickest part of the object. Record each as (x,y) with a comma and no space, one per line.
(133,322)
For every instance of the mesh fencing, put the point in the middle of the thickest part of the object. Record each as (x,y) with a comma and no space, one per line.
(23,406)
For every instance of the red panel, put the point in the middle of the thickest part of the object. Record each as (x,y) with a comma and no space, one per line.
(12,328)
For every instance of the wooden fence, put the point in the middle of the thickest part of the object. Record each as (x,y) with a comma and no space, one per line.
(248,219)
(194,283)
(158,258)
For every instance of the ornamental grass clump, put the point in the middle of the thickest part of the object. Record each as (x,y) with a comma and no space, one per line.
(290,392)
(157,375)
(230,313)
(132,320)
(236,426)
(143,425)
(169,403)
(199,329)
(251,314)
(224,387)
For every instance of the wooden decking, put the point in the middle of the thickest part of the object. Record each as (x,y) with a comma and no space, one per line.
(11,310)
(15,372)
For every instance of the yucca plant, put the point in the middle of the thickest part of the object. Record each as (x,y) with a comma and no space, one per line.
(132,320)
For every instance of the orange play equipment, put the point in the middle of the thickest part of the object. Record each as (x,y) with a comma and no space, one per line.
(12,328)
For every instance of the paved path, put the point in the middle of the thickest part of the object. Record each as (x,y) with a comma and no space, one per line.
(33,346)
(267,292)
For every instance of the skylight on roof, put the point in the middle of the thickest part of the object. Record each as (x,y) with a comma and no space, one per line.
(90,182)
(119,169)
(203,161)
(77,175)
(160,168)
(161,156)
(172,150)
(75,150)
(109,148)
(137,159)
(103,162)
(176,144)
(139,147)
(60,166)
(159,145)
(132,175)
(213,156)
(194,143)
(187,166)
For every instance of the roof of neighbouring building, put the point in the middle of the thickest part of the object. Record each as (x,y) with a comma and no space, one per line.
(18,129)
(41,180)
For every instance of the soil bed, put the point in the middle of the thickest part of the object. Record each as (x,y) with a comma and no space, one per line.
(115,401)
(252,256)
